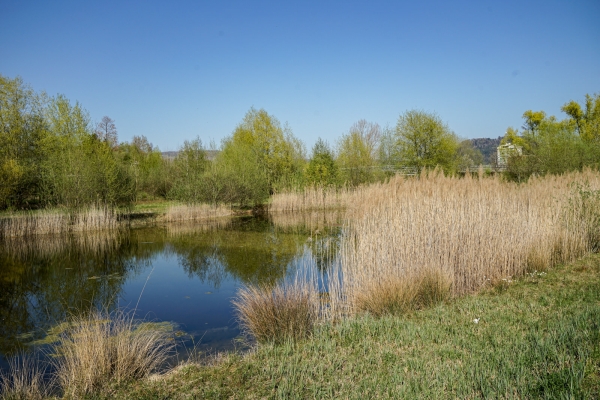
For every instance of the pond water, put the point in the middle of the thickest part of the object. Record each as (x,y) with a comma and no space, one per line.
(185,274)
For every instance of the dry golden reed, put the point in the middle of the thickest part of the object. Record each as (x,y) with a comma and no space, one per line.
(310,198)
(464,232)
(53,222)
(196,212)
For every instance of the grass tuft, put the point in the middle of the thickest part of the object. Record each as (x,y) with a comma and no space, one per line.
(278,313)
(102,350)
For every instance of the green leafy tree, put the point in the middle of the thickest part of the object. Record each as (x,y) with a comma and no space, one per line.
(321,169)
(150,172)
(358,152)
(189,168)
(468,157)
(22,133)
(260,157)
(424,141)
(79,168)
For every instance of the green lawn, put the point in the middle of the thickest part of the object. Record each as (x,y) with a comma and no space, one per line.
(537,337)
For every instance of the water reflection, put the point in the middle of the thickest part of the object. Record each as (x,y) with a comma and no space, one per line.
(181,273)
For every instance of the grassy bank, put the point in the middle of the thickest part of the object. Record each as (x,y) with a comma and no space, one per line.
(536,337)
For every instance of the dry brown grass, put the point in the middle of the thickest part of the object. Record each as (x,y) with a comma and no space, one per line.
(24,380)
(278,313)
(100,351)
(196,212)
(469,231)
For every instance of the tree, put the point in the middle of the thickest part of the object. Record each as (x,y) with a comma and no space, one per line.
(424,141)
(467,156)
(264,152)
(321,169)
(106,130)
(22,132)
(147,167)
(587,121)
(533,119)
(358,152)
(189,167)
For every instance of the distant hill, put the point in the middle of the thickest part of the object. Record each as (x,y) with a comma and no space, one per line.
(487,147)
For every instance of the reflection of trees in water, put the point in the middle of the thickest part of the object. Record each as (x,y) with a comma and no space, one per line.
(248,250)
(44,278)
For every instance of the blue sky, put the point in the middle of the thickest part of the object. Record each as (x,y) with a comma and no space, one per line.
(176,70)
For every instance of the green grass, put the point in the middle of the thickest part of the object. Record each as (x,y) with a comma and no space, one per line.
(537,337)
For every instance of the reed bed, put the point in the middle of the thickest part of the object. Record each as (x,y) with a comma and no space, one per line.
(308,221)
(437,234)
(310,198)
(98,242)
(54,222)
(196,212)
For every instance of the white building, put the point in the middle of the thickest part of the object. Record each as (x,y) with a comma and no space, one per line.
(505,151)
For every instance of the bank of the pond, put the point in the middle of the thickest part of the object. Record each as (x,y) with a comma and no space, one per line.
(538,337)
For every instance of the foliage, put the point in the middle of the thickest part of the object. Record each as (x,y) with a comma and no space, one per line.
(260,157)
(424,141)
(150,172)
(321,169)
(22,133)
(357,153)
(551,146)
(467,156)
(189,167)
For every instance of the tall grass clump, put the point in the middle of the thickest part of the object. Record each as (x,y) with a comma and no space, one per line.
(195,212)
(278,313)
(24,380)
(101,350)
(438,236)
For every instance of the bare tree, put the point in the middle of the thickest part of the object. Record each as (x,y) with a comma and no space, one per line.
(107,131)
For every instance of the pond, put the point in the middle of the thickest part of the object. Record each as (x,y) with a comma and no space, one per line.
(185,274)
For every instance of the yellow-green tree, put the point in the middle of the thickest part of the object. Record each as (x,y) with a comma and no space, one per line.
(22,132)
(321,169)
(423,140)
(266,154)
(357,153)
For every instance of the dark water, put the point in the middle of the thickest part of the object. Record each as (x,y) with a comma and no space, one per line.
(184,274)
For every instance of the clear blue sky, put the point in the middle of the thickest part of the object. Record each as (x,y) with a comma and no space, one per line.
(180,69)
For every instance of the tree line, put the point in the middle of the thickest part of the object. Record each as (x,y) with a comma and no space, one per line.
(52,155)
